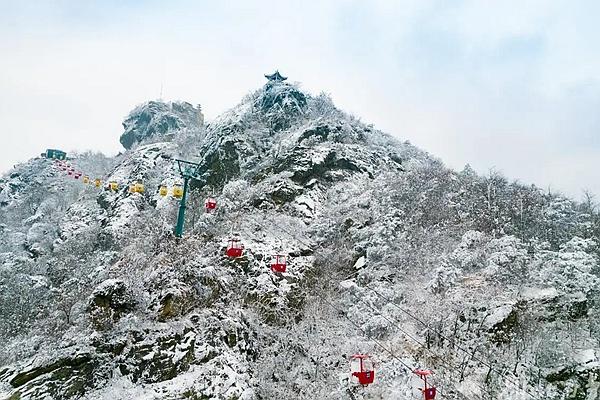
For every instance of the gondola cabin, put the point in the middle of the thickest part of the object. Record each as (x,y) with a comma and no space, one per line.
(234,248)
(55,154)
(86,179)
(69,172)
(210,204)
(97,183)
(177,192)
(361,369)
(114,186)
(429,392)
(163,191)
(279,263)
(136,188)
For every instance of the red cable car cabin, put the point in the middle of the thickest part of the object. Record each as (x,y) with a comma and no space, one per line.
(279,263)
(210,204)
(234,248)
(361,368)
(429,392)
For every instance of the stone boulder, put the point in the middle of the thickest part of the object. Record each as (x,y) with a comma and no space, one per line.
(109,302)
(175,300)
(40,238)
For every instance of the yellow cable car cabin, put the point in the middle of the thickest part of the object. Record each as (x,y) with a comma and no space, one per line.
(86,179)
(97,183)
(114,186)
(177,192)
(136,188)
(163,191)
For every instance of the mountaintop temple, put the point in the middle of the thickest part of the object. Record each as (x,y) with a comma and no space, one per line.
(277,77)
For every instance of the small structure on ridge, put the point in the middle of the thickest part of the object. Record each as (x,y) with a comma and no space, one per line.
(277,77)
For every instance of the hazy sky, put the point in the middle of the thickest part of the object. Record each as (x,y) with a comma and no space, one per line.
(510,85)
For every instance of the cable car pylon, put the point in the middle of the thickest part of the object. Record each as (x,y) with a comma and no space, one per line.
(188,170)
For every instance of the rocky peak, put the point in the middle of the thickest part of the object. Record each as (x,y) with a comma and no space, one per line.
(280,102)
(155,119)
(279,133)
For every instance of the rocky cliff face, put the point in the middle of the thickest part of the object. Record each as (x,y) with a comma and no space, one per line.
(491,284)
(157,120)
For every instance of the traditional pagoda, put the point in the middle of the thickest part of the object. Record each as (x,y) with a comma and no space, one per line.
(277,77)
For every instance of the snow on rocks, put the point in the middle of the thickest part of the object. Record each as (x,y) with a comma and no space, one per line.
(159,120)
(159,317)
(109,301)
(142,164)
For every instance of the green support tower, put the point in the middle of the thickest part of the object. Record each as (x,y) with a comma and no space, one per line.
(188,170)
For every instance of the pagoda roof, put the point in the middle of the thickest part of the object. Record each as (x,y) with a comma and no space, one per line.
(275,77)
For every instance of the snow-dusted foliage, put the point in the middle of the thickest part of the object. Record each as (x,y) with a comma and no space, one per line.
(491,284)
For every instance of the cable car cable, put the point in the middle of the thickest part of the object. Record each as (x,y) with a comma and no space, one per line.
(471,354)
(444,361)
(398,327)
(357,326)
(377,342)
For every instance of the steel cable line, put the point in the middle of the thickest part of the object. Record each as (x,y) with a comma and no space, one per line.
(344,314)
(411,315)
(357,326)
(444,361)
(438,332)
(377,342)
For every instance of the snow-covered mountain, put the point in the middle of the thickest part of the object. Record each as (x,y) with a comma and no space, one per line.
(491,284)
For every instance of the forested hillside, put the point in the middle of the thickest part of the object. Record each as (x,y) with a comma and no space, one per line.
(492,284)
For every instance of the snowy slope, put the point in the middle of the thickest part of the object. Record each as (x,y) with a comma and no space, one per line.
(491,284)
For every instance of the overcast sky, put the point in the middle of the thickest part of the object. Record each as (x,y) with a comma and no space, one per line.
(510,85)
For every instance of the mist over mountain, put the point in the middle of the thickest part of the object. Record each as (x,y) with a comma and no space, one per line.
(491,284)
